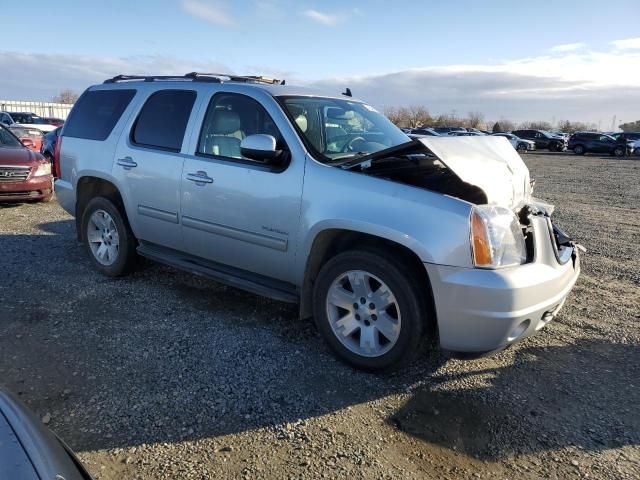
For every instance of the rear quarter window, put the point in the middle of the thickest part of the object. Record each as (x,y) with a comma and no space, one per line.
(162,122)
(96,113)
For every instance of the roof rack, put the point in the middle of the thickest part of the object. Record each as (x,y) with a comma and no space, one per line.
(199,77)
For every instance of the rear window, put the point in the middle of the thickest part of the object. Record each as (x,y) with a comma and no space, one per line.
(163,119)
(96,113)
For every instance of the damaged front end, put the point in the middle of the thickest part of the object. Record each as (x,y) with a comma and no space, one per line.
(484,171)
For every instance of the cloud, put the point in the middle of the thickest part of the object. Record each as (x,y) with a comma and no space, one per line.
(323,18)
(627,44)
(578,85)
(568,47)
(590,87)
(40,76)
(209,11)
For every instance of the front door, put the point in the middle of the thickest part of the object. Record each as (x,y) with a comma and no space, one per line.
(149,166)
(236,211)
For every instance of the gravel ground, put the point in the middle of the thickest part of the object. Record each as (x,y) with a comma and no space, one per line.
(167,375)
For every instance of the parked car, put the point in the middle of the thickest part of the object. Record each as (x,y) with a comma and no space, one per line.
(29,450)
(634,136)
(390,242)
(49,145)
(446,130)
(424,131)
(24,174)
(590,142)
(543,139)
(522,146)
(55,121)
(466,133)
(30,137)
(25,119)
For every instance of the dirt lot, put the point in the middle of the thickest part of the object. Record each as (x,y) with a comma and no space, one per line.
(166,375)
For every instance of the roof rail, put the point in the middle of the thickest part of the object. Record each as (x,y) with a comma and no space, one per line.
(236,78)
(198,77)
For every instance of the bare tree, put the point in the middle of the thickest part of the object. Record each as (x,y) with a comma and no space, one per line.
(537,125)
(573,127)
(475,120)
(408,117)
(630,126)
(67,96)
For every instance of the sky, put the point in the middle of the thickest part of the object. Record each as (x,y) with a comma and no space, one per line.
(576,60)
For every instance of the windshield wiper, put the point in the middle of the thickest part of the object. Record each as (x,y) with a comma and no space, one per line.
(344,157)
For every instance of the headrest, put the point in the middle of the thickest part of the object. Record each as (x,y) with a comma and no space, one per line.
(301,121)
(225,122)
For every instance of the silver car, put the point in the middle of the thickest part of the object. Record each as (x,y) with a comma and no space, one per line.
(384,240)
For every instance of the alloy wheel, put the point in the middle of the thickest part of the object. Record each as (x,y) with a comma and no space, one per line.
(103,237)
(363,313)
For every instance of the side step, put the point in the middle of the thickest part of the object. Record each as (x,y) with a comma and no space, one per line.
(234,277)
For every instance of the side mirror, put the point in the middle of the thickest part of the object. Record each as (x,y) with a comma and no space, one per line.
(27,142)
(260,147)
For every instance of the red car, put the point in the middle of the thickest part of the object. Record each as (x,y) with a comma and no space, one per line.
(30,137)
(24,174)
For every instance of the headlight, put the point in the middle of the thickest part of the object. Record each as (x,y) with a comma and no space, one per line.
(43,169)
(496,237)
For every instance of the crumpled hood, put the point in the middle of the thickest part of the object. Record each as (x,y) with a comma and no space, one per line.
(490,163)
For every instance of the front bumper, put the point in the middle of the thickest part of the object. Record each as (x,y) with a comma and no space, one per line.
(480,311)
(33,188)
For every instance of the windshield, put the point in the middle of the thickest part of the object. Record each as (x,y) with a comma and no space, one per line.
(7,139)
(336,129)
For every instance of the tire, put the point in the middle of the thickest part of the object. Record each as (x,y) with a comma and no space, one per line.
(103,218)
(389,280)
(619,151)
(578,150)
(521,149)
(47,199)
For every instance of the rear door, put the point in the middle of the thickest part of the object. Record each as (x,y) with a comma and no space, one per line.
(237,211)
(149,162)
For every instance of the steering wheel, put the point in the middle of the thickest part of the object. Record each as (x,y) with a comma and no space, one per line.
(349,145)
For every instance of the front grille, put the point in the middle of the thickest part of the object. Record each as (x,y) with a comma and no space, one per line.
(14,174)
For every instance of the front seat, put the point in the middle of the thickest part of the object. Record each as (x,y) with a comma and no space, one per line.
(224,140)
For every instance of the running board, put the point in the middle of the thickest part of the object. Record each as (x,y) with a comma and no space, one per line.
(234,277)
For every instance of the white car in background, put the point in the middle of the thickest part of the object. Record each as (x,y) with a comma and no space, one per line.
(26,119)
(520,144)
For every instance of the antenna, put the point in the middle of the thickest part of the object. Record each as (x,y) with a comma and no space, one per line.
(347,92)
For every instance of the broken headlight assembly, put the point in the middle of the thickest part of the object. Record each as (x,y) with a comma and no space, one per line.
(496,237)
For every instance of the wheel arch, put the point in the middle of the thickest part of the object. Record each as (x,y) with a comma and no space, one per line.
(331,241)
(88,187)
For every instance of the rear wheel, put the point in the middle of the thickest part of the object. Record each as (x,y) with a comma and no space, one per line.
(578,150)
(108,238)
(370,309)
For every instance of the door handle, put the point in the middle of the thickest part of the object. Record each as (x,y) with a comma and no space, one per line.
(127,163)
(199,177)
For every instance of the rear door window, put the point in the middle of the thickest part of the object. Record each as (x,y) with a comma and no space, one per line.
(162,122)
(96,113)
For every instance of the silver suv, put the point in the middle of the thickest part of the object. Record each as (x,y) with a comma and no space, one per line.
(319,200)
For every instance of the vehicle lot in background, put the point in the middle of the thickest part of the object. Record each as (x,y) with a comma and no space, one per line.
(27,119)
(207,378)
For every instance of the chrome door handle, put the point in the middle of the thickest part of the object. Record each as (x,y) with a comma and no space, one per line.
(199,177)
(127,163)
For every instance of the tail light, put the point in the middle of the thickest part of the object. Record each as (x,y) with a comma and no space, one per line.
(56,157)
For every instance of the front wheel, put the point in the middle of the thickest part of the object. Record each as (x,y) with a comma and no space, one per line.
(370,309)
(108,238)
(578,150)
(619,151)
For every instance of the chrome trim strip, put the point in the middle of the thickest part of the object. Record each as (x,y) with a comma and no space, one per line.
(158,214)
(236,233)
